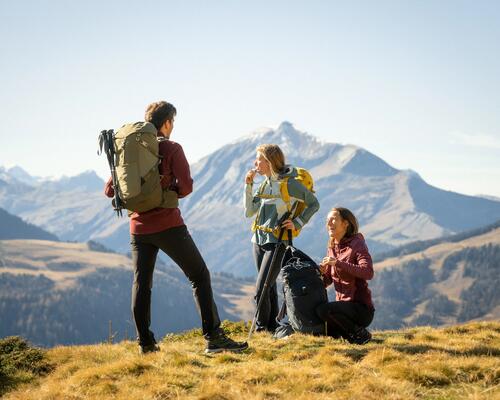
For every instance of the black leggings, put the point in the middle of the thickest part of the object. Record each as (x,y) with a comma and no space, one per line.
(266,318)
(343,318)
(179,246)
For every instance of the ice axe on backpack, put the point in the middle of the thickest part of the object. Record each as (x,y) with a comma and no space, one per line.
(106,142)
(273,268)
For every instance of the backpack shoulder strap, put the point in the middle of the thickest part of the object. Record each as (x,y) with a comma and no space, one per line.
(285,195)
(259,194)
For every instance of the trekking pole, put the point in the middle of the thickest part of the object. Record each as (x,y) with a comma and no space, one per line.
(263,292)
(117,201)
(106,143)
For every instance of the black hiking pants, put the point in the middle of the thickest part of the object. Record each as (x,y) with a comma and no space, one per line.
(266,317)
(179,246)
(343,318)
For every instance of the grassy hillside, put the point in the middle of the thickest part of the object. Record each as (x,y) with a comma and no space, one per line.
(444,283)
(66,293)
(457,362)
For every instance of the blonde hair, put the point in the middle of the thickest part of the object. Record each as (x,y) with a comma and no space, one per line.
(274,156)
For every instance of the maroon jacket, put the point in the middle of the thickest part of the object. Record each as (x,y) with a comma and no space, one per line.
(174,169)
(351,271)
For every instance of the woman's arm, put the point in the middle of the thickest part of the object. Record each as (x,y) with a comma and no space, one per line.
(299,192)
(363,268)
(250,202)
(326,273)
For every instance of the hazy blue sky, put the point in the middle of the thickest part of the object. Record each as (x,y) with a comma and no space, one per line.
(415,82)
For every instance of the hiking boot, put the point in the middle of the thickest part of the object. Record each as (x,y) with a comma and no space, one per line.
(222,343)
(360,336)
(149,348)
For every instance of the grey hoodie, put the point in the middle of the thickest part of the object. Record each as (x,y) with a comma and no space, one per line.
(270,210)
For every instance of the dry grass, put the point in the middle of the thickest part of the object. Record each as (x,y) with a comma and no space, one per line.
(459,362)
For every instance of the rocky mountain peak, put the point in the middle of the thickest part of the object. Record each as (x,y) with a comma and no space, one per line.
(21,175)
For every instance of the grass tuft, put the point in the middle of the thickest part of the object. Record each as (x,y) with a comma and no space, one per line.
(20,363)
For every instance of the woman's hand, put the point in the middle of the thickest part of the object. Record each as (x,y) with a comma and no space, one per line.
(329,261)
(288,224)
(249,176)
(323,268)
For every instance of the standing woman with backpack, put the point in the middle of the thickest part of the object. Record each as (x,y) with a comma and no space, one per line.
(268,204)
(348,266)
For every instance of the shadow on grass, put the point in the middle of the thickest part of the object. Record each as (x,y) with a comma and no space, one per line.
(315,345)
(355,354)
(482,351)
(415,348)
(488,351)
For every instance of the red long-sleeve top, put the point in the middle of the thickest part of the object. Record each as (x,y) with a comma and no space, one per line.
(174,169)
(352,269)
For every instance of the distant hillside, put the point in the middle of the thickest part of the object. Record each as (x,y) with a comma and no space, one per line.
(12,227)
(457,362)
(441,282)
(420,245)
(53,293)
(65,293)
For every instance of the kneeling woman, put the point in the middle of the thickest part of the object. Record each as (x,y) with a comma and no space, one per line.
(348,265)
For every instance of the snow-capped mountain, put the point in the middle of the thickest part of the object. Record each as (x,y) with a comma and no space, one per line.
(394,207)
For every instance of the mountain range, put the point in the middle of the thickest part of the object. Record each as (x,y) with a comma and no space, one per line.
(394,207)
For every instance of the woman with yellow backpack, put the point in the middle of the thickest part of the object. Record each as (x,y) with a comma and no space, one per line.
(284,200)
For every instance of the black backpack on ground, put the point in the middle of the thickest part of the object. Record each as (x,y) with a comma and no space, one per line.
(303,291)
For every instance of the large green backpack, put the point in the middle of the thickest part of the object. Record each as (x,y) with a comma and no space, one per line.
(137,162)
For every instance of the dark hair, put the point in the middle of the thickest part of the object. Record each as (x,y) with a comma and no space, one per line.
(159,112)
(348,216)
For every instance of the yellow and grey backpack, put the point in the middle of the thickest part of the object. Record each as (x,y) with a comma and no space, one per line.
(304,177)
(133,156)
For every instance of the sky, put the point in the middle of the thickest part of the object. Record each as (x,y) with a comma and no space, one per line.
(417,83)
